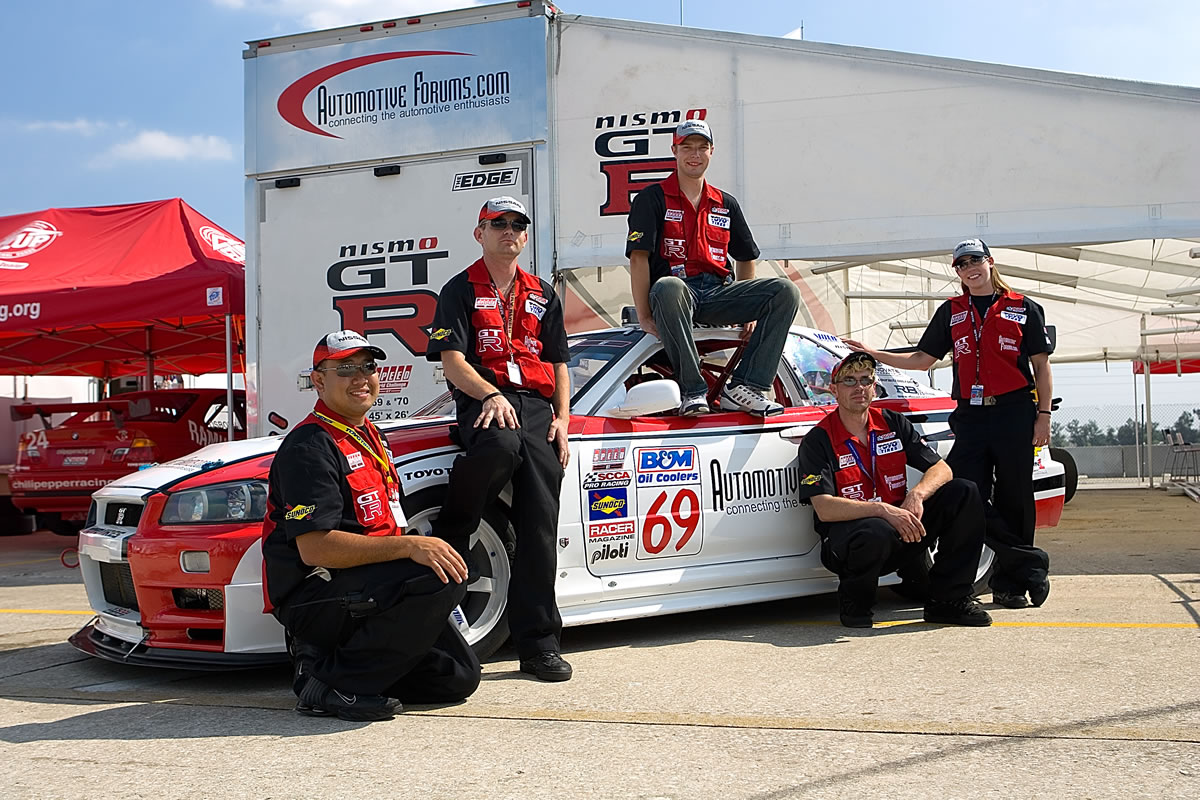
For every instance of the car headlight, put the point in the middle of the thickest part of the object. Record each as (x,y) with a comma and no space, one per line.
(245,501)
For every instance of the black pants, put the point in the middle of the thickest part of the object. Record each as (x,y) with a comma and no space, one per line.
(494,457)
(859,551)
(403,647)
(993,446)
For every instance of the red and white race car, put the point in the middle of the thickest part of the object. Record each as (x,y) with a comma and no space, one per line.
(60,466)
(659,514)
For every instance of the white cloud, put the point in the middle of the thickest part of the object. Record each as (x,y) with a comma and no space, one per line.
(162,146)
(84,127)
(336,13)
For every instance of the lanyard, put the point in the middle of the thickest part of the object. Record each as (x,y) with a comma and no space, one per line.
(509,319)
(361,442)
(859,461)
(978,330)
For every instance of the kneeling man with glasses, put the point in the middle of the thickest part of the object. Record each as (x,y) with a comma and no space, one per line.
(366,608)
(853,473)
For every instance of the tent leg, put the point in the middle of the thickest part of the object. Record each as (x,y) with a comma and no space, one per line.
(229,379)
(149,359)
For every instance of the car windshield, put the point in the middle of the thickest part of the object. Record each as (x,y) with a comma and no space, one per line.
(814,364)
(591,356)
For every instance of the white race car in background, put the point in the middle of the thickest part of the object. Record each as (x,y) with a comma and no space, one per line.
(659,514)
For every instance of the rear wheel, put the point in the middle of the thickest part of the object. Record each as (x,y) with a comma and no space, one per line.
(1070,472)
(484,614)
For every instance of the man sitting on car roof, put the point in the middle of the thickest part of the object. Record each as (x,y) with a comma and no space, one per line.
(853,474)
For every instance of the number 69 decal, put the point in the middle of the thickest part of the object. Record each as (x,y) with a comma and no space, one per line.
(673,525)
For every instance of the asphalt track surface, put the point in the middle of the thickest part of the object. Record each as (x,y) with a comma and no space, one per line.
(1095,695)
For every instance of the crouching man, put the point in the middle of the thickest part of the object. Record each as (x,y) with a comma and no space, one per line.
(853,473)
(366,607)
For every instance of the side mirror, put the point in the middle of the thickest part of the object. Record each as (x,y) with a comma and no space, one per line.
(647,398)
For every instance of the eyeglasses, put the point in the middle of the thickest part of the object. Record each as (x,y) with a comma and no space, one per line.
(850,383)
(969,261)
(501,224)
(350,370)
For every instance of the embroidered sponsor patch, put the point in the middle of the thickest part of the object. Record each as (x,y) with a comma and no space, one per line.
(883,437)
(673,215)
(1013,316)
(716,253)
(490,341)
(537,298)
(535,309)
(491,303)
(300,512)
(962,346)
(854,491)
(679,270)
(636,236)
(957,318)
(371,505)
(810,480)
(675,249)
(355,460)
(895,481)
(883,448)
(440,333)
(718,221)
(718,210)
(845,460)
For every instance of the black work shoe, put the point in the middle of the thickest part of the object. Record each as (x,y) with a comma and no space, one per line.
(853,611)
(547,666)
(963,611)
(317,699)
(1038,594)
(1011,599)
(304,657)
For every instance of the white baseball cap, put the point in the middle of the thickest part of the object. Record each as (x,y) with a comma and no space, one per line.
(692,127)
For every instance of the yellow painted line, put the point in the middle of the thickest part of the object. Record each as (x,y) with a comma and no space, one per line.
(46,611)
(35,561)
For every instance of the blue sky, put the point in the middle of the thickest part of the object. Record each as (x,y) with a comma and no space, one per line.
(115,101)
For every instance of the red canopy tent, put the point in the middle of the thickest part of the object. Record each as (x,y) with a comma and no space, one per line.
(119,290)
(1169,366)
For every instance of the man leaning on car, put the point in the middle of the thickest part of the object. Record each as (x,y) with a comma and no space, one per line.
(852,467)
(367,608)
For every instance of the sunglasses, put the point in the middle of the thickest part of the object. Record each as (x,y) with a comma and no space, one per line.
(350,370)
(850,383)
(501,224)
(969,261)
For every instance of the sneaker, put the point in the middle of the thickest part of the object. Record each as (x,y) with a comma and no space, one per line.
(318,699)
(963,611)
(1038,594)
(547,666)
(304,658)
(1011,599)
(693,406)
(853,612)
(743,398)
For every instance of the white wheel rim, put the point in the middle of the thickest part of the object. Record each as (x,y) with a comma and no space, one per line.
(487,595)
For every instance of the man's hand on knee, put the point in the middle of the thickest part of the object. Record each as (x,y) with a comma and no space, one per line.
(498,409)
(438,555)
(748,329)
(904,521)
(646,323)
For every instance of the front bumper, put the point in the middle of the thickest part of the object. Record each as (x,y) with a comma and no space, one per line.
(94,642)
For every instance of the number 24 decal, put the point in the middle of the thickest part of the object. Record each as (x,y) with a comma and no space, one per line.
(684,519)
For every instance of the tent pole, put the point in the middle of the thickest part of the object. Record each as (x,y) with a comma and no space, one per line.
(1137,445)
(1149,417)
(229,378)
(149,358)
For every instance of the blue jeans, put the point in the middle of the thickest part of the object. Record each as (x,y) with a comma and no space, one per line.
(677,302)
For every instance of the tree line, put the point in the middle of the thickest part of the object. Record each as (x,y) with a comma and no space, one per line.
(1077,433)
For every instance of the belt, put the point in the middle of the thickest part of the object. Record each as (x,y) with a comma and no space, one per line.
(1009,399)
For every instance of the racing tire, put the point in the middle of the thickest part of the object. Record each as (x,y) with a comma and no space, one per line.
(484,612)
(1070,472)
(54,523)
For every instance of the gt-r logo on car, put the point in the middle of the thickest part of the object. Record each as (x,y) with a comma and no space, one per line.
(666,460)
(610,504)
(490,341)
(608,458)
(27,240)
(962,346)
(370,505)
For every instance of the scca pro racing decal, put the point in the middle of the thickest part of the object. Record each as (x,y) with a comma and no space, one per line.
(668,489)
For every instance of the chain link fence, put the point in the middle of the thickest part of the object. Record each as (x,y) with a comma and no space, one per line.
(1109,441)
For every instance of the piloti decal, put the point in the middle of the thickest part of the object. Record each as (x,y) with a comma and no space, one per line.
(607,504)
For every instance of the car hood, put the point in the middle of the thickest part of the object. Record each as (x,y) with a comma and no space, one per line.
(202,460)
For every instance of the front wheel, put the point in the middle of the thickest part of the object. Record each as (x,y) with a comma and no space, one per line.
(482,618)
